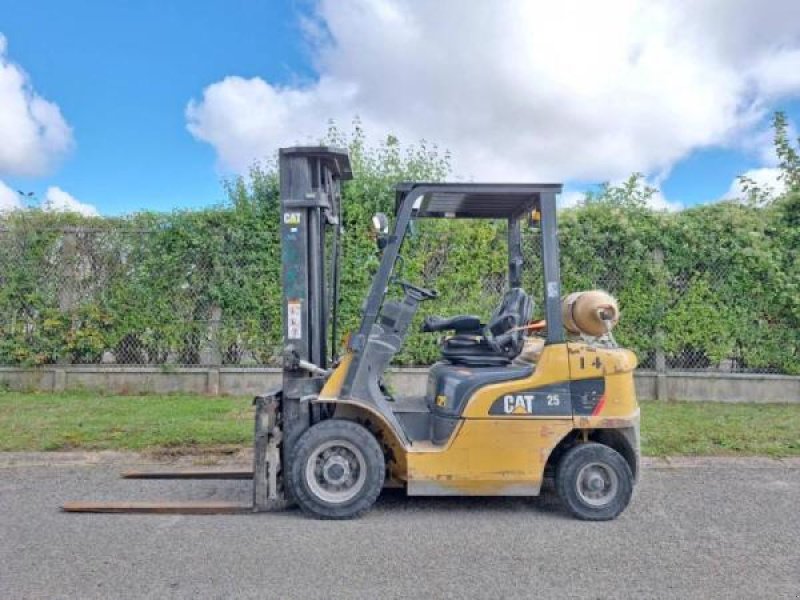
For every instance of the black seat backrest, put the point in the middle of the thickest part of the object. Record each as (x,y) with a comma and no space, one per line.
(505,325)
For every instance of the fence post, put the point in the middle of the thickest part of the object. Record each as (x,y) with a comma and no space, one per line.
(661,375)
(660,357)
(59,380)
(68,291)
(210,352)
(212,382)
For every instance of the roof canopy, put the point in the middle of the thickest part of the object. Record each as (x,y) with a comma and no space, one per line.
(476,200)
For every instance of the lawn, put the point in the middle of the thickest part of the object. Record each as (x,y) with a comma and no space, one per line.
(713,428)
(95,422)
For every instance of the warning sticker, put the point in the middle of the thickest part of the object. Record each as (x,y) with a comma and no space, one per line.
(294,318)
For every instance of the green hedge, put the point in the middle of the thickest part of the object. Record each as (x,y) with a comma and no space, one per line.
(709,283)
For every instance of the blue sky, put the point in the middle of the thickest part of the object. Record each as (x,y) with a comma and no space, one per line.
(123,73)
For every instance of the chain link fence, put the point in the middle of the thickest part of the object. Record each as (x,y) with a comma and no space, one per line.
(129,297)
(678,314)
(119,297)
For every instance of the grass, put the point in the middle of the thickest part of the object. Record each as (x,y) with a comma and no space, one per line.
(711,428)
(95,422)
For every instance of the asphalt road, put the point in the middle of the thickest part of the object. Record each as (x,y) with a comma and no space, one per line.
(718,530)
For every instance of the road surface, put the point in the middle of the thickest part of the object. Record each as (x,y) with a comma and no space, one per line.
(695,529)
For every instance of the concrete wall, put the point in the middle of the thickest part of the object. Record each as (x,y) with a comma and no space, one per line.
(239,381)
(720,387)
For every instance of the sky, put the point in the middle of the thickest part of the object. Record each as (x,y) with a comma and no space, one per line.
(114,107)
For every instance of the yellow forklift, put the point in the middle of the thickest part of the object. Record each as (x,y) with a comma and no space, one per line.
(496,420)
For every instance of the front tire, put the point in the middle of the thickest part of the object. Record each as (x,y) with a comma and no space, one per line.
(337,470)
(594,482)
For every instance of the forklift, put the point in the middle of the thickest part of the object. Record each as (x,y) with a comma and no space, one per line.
(490,424)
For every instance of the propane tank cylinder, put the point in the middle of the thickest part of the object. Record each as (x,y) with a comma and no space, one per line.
(593,313)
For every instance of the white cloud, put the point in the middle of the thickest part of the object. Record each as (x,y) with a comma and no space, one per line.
(760,143)
(9,199)
(659,201)
(57,200)
(523,90)
(571,198)
(765,178)
(248,119)
(33,134)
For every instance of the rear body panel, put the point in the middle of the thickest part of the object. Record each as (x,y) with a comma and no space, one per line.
(507,431)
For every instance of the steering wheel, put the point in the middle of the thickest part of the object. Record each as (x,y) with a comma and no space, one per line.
(416,292)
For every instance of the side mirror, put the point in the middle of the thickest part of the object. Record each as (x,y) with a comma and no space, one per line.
(380,224)
(380,227)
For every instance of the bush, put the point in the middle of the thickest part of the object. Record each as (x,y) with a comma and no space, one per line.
(715,282)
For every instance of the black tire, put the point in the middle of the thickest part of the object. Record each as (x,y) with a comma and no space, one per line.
(337,470)
(594,482)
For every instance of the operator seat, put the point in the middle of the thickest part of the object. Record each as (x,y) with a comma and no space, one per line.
(477,345)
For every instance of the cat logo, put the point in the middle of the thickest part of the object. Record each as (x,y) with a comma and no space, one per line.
(546,401)
(292,218)
(522,404)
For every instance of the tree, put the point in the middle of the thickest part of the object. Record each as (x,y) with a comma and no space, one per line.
(788,155)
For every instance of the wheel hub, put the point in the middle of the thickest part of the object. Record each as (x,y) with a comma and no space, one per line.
(336,471)
(597,484)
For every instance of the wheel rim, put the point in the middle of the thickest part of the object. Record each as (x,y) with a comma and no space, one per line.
(336,471)
(597,484)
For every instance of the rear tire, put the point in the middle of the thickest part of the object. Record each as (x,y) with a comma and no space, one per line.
(594,482)
(337,470)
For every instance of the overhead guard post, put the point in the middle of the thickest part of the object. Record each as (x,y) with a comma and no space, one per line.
(552,275)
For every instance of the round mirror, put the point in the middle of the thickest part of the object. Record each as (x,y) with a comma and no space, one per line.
(380,224)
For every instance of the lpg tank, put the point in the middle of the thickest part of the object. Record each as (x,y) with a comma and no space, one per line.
(593,313)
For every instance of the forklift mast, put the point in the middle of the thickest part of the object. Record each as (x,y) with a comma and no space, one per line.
(310,212)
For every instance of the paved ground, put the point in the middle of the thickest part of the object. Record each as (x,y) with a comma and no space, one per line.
(707,529)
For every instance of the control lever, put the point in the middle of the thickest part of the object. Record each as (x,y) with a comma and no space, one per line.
(292,361)
(312,368)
